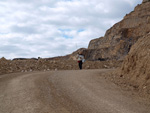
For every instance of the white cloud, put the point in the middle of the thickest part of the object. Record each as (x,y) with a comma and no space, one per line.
(47,28)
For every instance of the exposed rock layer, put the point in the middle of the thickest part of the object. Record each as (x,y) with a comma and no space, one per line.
(136,66)
(145,1)
(118,39)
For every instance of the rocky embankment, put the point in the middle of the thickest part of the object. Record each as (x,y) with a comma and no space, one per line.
(119,38)
(11,66)
(136,66)
(134,74)
(128,40)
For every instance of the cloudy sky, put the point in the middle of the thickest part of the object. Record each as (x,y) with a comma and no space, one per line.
(48,28)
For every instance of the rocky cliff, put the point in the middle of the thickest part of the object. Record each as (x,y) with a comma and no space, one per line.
(136,66)
(118,39)
(145,1)
(135,70)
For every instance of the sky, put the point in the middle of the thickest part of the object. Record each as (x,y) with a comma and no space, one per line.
(48,28)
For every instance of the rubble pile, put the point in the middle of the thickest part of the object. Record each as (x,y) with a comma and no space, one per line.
(11,66)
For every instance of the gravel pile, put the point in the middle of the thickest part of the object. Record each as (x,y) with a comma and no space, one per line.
(11,66)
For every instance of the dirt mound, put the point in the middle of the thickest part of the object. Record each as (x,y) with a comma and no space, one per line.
(11,66)
(136,66)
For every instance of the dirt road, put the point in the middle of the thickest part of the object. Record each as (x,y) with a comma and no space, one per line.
(75,91)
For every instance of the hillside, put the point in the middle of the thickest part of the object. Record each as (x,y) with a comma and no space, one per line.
(128,40)
(119,38)
(136,66)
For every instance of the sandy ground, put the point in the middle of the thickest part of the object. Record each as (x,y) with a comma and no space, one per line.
(74,91)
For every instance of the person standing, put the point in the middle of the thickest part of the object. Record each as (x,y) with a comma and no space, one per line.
(80,59)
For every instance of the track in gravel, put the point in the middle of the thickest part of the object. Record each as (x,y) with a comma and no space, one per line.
(75,91)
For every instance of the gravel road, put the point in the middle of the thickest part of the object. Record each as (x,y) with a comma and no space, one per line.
(74,91)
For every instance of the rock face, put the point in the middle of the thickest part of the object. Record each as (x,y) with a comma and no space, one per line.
(136,66)
(146,1)
(118,39)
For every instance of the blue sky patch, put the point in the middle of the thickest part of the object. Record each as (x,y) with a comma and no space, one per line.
(67,36)
(81,30)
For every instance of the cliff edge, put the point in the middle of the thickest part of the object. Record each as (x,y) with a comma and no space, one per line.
(119,39)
